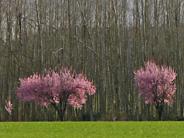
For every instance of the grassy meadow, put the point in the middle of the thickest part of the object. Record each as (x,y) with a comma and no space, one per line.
(91,129)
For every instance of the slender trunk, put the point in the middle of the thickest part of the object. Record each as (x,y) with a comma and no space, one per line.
(159,109)
(61,115)
(61,109)
(160,115)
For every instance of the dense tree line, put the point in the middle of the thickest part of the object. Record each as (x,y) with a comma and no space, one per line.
(106,39)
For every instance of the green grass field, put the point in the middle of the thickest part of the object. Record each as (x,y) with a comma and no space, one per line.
(92,130)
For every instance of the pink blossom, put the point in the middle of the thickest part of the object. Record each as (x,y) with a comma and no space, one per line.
(8,106)
(156,83)
(56,88)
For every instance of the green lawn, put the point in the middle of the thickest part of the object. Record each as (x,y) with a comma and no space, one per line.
(92,130)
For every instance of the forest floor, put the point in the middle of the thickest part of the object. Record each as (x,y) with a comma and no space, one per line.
(92,130)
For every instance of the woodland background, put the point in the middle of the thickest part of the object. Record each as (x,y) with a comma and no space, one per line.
(105,39)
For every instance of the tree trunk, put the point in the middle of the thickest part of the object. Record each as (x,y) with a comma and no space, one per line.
(60,110)
(159,109)
(61,115)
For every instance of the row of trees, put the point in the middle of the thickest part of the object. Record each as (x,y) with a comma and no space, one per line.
(105,39)
(59,89)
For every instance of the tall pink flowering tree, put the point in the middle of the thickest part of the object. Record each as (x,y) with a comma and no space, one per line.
(57,89)
(156,85)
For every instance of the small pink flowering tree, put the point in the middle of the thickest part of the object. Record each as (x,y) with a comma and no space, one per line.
(156,85)
(57,89)
(8,106)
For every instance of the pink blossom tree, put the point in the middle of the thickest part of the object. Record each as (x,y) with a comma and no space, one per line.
(8,106)
(156,85)
(57,89)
